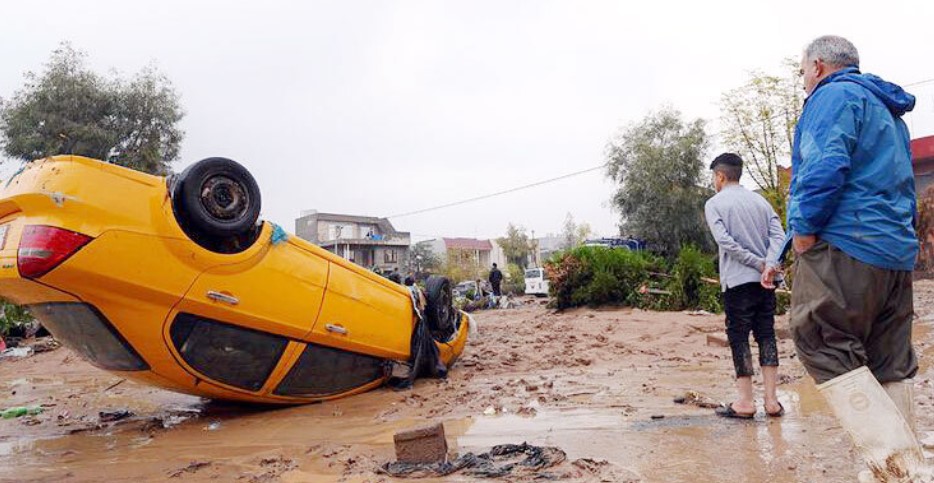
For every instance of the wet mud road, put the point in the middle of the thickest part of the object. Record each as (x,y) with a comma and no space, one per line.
(599,384)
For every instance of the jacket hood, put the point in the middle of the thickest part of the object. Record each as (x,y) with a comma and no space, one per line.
(892,95)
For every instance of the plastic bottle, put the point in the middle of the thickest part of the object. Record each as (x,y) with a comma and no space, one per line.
(18,411)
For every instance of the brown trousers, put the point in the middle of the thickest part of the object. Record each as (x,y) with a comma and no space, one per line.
(846,314)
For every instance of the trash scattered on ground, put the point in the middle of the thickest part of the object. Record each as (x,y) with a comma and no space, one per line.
(698,313)
(697,399)
(44,344)
(658,416)
(172,418)
(17,411)
(213,426)
(506,460)
(421,445)
(16,352)
(111,416)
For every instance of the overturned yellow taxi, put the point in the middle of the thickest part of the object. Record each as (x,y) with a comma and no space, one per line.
(174,281)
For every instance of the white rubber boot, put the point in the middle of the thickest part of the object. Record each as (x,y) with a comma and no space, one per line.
(876,426)
(903,395)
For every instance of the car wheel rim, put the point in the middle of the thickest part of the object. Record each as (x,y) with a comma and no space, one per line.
(224,198)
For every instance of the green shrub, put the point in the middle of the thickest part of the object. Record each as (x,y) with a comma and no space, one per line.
(12,315)
(688,291)
(514,280)
(597,276)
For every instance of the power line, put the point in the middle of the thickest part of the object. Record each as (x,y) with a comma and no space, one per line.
(919,82)
(576,173)
(499,193)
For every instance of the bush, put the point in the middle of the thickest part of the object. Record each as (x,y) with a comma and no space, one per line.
(688,291)
(597,276)
(12,315)
(514,280)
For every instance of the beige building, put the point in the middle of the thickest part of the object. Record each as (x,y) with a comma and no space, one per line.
(366,240)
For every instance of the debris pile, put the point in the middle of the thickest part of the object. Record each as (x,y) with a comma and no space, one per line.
(505,460)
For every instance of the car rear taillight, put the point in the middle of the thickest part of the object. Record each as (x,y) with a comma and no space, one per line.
(43,248)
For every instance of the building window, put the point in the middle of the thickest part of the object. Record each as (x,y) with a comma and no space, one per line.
(390,256)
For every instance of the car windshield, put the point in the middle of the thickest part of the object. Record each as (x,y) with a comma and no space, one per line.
(533,273)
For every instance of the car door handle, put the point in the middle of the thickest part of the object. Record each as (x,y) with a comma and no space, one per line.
(222,297)
(336,328)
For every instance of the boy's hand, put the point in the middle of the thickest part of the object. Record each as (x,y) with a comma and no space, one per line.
(768,277)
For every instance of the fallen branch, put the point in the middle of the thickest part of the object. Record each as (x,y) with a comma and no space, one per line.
(121,381)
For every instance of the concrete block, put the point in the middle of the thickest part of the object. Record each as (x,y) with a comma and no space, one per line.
(421,445)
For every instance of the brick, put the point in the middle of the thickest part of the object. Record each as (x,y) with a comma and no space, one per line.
(421,445)
(717,340)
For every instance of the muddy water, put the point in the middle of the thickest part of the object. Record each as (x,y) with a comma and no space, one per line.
(688,444)
(619,409)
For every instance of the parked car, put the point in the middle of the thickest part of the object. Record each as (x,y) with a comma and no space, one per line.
(536,282)
(465,288)
(176,282)
(624,243)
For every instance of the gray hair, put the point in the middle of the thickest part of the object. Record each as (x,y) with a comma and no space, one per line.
(833,50)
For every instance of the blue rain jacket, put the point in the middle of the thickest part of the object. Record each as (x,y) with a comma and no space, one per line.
(852,182)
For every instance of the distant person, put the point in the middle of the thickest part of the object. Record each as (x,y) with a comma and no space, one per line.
(409,280)
(749,235)
(496,278)
(851,216)
(395,277)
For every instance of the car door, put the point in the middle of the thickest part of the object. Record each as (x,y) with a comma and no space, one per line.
(364,313)
(236,321)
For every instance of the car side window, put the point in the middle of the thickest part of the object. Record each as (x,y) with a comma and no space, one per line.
(322,371)
(227,353)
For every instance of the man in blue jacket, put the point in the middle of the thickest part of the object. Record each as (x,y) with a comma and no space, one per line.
(851,222)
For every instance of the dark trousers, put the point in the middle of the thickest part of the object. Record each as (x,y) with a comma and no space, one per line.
(846,314)
(750,308)
(496,290)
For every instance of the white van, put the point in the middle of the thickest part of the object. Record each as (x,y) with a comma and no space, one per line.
(536,282)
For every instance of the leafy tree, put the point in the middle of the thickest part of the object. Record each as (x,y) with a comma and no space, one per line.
(423,259)
(657,164)
(516,245)
(69,109)
(573,234)
(758,122)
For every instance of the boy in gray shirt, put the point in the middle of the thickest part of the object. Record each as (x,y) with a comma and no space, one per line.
(750,237)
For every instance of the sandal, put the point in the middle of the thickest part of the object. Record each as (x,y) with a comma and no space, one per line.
(777,414)
(729,412)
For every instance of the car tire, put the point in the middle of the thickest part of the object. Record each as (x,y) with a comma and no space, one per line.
(217,197)
(440,308)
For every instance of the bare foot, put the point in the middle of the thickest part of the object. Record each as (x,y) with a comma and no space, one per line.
(773,407)
(743,407)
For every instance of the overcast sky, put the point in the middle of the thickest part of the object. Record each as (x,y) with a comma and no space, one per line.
(378,108)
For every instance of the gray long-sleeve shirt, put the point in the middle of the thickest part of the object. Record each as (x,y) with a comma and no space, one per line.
(748,232)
